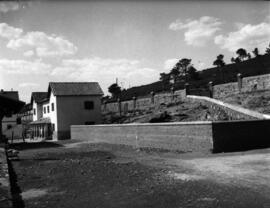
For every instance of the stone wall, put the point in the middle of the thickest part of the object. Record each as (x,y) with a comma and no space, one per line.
(233,112)
(220,136)
(180,136)
(223,90)
(246,84)
(261,82)
(144,103)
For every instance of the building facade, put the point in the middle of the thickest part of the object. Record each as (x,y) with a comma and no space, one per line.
(26,114)
(63,105)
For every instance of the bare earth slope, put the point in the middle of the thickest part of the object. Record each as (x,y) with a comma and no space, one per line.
(182,111)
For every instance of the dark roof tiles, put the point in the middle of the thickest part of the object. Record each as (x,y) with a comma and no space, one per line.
(10,105)
(39,96)
(10,94)
(75,88)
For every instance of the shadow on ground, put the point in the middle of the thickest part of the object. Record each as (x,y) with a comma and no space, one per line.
(38,145)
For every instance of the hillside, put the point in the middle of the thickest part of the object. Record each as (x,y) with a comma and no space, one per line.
(252,67)
(182,111)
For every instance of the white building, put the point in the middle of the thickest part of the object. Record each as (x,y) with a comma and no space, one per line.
(63,105)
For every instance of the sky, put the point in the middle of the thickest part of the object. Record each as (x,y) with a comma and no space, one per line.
(134,41)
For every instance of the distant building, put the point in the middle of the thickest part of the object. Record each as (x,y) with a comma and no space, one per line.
(26,114)
(10,120)
(63,105)
(8,106)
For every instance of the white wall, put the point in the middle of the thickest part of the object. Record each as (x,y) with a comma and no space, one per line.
(39,111)
(52,114)
(71,111)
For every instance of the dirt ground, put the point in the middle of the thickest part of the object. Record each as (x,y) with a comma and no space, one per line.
(113,176)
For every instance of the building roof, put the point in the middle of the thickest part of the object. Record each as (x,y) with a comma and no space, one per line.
(75,88)
(10,94)
(9,105)
(39,96)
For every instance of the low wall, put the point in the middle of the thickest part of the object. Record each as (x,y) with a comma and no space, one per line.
(233,112)
(181,136)
(221,136)
(240,135)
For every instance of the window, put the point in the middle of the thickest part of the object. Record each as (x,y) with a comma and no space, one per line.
(89,123)
(19,121)
(48,109)
(44,109)
(89,105)
(52,107)
(34,111)
(9,126)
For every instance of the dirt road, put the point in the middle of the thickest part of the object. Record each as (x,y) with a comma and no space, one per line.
(103,175)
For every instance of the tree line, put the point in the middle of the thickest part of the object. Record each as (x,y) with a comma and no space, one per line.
(184,71)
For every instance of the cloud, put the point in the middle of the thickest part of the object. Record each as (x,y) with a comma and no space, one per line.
(7,6)
(28,53)
(170,63)
(246,36)
(28,84)
(36,42)
(9,32)
(197,32)
(105,71)
(24,67)
(200,66)
(44,45)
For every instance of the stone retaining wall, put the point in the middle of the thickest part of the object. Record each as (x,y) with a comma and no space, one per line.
(144,103)
(180,136)
(222,136)
(246,84)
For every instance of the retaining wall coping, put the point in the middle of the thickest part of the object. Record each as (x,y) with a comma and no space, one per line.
(225,84)
(240,121)
(147,124)
(233,107)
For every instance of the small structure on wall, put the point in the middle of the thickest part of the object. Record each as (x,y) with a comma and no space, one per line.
(63,105)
